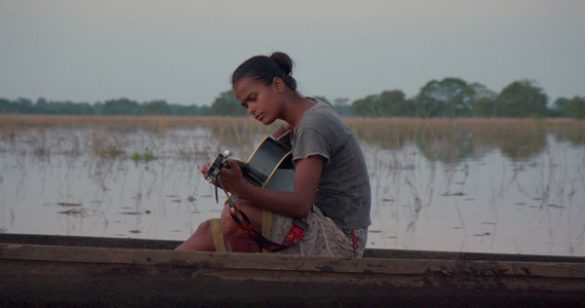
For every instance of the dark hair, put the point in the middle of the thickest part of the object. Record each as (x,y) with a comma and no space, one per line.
(265,68)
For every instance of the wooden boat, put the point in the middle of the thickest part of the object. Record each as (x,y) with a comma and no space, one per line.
(66,271)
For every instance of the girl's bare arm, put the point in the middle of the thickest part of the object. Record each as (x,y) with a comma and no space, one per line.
(293,204)
(281,130)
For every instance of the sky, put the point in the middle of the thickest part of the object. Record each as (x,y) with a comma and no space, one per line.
(185,51)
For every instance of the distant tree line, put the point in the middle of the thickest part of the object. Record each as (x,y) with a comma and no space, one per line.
(453,97)
(450,97)
(121,106)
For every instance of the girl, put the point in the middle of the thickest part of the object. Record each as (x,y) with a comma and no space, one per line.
(331,198)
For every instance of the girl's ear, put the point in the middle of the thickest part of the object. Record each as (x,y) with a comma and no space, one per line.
(278,84)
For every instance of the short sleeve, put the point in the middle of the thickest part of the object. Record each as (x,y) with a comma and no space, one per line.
(310,142)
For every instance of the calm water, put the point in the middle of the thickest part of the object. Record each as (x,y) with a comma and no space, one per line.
(454,189)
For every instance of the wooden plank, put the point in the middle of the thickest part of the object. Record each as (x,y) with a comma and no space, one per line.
(477,268)
(420,254)
(86,241)
(62,275)
(369,253)
(89,283)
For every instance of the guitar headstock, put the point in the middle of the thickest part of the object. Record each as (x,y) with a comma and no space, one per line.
(220,161)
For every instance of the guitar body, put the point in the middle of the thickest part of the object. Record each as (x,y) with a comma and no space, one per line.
(270,164)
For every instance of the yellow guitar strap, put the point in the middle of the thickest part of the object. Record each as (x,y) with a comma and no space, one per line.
(266,223)
(217,235)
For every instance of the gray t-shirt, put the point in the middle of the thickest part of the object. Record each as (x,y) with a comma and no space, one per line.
(344,189)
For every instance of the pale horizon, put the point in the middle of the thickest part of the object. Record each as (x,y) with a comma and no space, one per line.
(185,51)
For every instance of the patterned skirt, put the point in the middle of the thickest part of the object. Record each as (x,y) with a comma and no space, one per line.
(323,236)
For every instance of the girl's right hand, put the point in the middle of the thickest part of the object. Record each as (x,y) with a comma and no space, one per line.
(204,168)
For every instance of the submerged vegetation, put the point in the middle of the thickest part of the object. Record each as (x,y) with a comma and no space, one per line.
(477,184)
(146,156)
(113,137)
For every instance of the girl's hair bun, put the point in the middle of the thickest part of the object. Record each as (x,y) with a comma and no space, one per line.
(283,61)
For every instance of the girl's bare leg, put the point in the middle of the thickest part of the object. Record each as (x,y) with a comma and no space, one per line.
(236,238)
(201,240)
(238,241)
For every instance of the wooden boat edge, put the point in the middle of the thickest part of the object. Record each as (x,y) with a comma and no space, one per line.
(109,242)
(57,273)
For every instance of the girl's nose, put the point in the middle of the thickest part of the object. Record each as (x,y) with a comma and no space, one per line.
(251,110)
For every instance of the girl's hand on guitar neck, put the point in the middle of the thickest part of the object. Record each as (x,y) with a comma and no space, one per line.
(204,168)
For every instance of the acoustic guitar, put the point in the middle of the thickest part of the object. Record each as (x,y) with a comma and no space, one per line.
(269,166)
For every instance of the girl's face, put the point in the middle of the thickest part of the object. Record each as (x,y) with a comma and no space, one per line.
(262,101)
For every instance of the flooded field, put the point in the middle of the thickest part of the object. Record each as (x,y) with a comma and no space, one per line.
(510,186)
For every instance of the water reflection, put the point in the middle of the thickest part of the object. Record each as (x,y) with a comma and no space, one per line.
(451,141)
(463,185)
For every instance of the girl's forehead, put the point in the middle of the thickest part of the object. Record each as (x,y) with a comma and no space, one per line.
(247,84)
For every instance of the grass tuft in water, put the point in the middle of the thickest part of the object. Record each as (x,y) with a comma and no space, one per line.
(143,157)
